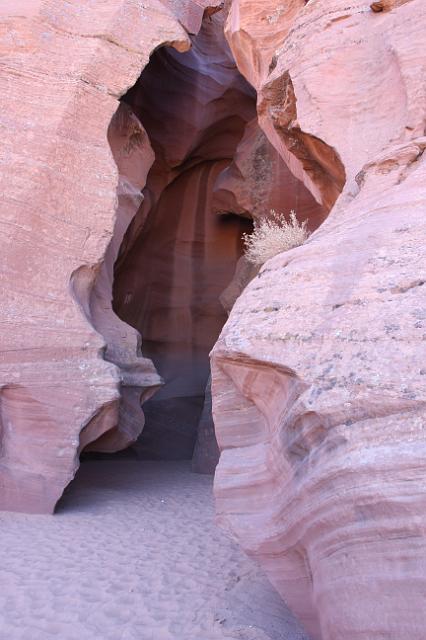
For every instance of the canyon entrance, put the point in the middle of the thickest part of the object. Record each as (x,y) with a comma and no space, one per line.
(180,266)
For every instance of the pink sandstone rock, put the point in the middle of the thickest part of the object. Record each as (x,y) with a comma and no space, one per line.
(190,12)
(64,65)
(256,33)
(133,155)
(258,180)
(319,376)
(72,374)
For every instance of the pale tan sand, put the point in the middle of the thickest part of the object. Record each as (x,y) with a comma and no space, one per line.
(133,554)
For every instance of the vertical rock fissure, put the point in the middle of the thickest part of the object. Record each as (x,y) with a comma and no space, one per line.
(178,254)
(172,276)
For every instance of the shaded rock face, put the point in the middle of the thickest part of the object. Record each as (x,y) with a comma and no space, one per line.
(206,450)
(179,255)
(139,380)
(318,376)
(258,180)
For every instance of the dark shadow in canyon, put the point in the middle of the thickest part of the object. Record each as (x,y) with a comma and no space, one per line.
(178,255)
(176,142)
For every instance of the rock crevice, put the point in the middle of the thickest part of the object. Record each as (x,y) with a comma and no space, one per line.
(329,491)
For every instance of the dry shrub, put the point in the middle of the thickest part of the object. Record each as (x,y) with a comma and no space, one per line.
(272,236)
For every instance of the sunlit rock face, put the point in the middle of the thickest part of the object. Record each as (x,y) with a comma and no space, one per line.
(257,33)
(61,372)
(318,376)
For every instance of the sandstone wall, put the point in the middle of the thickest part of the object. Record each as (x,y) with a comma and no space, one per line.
(63,67)
(318,376)
(72,375)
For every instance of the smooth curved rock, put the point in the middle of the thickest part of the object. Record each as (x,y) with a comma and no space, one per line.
(64,67)
(318,376)
(178,255)
(139,379)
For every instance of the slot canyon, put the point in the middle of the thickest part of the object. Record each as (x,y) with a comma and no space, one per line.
(141,142)
(179,255)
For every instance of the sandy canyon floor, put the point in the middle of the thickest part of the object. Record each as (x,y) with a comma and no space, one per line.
(133,553)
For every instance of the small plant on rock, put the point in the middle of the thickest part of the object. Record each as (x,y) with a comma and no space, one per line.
(273,235)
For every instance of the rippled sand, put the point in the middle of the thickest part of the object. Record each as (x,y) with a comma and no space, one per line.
(133,553)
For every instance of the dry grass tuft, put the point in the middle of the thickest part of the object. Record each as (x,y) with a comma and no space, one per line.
(272,236)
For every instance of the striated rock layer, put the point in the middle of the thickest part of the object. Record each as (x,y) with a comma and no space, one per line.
(62,366)
(133,155)
(319,376)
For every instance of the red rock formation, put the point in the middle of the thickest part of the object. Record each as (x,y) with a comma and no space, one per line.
(133,155)
(258,180)
(256,33)
(71,373)
(318,377)
(64,65)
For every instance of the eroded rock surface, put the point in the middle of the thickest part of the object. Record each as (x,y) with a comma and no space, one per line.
(319,377)
(139,379)
(63,67)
